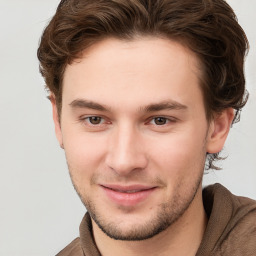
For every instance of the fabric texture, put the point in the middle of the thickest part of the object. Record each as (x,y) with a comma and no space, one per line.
(231,228)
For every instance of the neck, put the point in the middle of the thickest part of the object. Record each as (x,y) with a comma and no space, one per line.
(182,238)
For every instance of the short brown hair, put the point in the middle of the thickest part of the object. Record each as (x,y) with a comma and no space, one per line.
(207,27)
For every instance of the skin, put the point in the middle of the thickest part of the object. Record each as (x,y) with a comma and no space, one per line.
(133,115)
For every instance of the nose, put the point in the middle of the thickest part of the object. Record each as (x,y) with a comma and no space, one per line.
(126,152)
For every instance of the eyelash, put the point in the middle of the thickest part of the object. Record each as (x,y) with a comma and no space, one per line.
(166,120)
(88,121)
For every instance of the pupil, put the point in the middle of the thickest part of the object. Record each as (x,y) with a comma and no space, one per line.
(95,120)
(160,120)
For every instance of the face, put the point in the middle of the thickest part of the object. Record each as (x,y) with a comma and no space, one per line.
(135,134)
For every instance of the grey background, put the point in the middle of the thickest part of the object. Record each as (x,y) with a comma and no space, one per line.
(39,210)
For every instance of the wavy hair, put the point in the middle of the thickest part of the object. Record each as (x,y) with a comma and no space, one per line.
(209,28)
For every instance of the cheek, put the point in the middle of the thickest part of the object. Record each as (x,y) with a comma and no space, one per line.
(179,153)
(84,153)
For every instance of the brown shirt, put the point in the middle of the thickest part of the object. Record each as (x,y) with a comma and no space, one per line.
(231,229)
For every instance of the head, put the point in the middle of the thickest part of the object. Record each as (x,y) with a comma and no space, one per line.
(208,28)
(197,51)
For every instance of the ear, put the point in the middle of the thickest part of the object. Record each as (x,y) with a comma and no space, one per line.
(56,120)
(218,130)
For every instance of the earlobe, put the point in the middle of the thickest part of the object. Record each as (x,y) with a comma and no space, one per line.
(56,120)
(218,130)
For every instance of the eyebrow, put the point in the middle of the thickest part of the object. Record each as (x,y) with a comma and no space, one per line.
(154,107)
(165,105)
(82,103)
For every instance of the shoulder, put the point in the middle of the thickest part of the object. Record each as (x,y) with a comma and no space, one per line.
(73,249)
(232,222)
(240,234)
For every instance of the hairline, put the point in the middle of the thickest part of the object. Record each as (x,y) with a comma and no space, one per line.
(134,37)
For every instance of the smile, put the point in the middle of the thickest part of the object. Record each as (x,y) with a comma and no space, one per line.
(127,195)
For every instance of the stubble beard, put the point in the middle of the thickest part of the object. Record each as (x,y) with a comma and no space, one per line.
(167,214)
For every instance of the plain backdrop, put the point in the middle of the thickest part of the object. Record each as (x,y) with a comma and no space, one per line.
(39,211)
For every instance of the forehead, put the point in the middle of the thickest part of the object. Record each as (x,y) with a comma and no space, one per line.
(146,69)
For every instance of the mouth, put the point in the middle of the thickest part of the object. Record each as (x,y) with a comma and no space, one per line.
(128,195)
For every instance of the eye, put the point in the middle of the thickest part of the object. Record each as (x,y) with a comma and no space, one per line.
(94,123)
(159,120)
(94,120)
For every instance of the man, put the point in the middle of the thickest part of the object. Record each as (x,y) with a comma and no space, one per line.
(143,95)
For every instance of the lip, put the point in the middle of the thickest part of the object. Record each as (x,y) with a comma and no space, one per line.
(128,195)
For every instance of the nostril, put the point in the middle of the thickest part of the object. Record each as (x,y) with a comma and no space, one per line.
(124,165)
(125,152)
